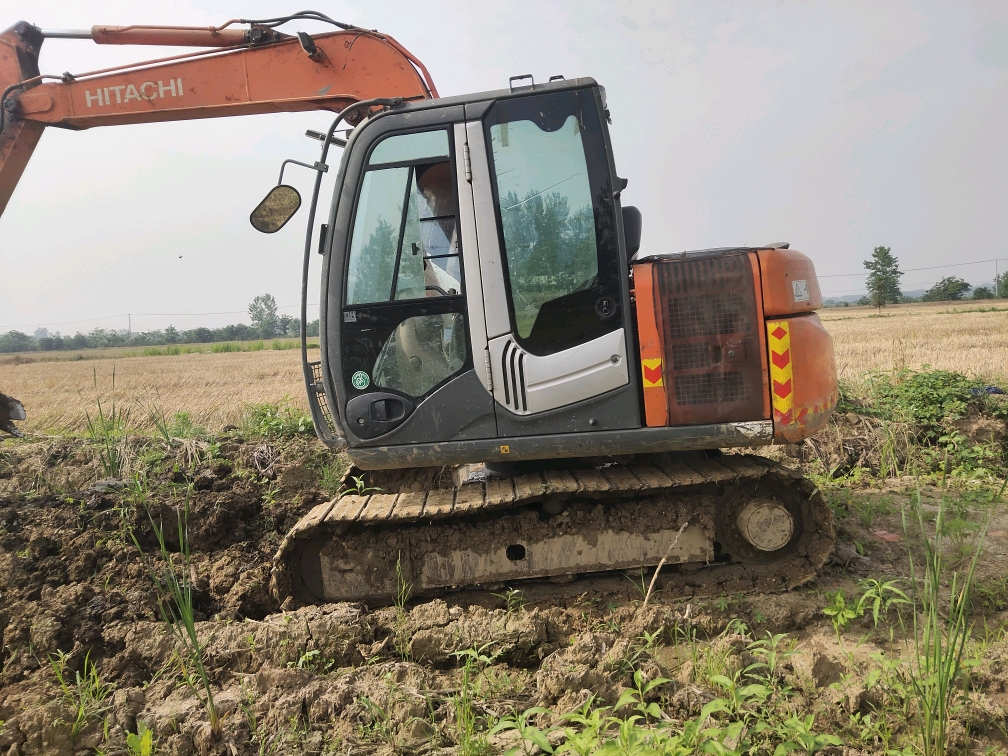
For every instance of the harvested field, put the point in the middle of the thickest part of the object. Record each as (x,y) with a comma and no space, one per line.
(968,337)
(213,389)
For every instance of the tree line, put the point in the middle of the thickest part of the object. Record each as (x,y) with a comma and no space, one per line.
(266,324)
(883,284)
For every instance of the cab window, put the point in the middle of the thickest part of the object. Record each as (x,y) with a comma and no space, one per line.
(404,243)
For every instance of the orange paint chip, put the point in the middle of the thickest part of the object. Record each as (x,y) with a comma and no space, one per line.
(884,535)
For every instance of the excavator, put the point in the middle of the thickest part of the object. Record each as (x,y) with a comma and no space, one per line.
(524,393)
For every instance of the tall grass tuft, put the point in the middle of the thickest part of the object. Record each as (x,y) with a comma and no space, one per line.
(109,430)
(86,695)
(939,642)
(176,606)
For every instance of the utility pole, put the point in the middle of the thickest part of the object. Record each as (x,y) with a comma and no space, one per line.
(129,329)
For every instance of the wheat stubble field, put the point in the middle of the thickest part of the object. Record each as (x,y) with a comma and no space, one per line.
(213,389)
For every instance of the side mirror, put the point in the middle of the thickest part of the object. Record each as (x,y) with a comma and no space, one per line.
(276,209)
(632,229)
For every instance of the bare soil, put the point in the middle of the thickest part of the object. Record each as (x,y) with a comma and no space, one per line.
(345,678)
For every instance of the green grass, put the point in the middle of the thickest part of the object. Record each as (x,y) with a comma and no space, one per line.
(109,430)
(86,695)
(941,631)
(176,604)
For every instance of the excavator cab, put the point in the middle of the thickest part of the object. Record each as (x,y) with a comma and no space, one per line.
(476,277)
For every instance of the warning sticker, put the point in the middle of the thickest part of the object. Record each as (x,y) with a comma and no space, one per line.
(651,371)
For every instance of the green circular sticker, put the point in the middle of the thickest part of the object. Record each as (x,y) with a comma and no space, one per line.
(360,380)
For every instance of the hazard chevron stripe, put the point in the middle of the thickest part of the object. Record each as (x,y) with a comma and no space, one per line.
(782,394)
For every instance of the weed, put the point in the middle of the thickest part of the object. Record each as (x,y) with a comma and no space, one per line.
(638,696)
(403,590)
(86,695)
(142,742)
(109,430)
(880,596)
(796,734)
(640,649)
(176,606)
(514,600)
(257,735)
(770,653)
(938,643)
(380,727)
(868,510)
(840,614)
(331,475)
(272,420)
(527,732)
(470,740)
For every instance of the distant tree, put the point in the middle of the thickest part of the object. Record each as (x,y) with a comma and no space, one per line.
(41,333)
(1001,285)
(197,336)
(288,326)
(864,301)
(78,341)
(982,292)
(884,279)
(948,289)
(15,341)
(46,344)
(263,312)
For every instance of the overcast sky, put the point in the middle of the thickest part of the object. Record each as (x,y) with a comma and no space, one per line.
(835,126)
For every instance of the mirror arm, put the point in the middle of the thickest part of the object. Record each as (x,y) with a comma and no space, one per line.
(330,435)
(320,167)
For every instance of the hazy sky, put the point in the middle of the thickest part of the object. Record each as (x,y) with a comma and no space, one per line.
(835,126)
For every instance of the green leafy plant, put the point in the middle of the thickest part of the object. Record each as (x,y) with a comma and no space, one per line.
(176,605)
(880,597)
(140,743)
(282,420)
(514,600)
(840,614)
(528,733)
(638,696)
(86,695)
(470,739)
(796,734)
(770,653)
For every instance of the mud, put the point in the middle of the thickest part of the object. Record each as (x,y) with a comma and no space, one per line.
(348,678)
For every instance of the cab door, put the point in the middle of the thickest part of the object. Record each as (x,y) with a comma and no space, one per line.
(554,281)
(406,356)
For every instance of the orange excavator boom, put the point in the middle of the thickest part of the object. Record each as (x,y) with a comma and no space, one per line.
(244,72)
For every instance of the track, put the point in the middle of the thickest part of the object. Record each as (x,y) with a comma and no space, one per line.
(437,532)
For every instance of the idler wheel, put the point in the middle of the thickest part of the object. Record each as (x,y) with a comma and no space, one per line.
(766,524)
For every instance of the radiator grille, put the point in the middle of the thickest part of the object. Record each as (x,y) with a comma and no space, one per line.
(707,306)
(686,356)
(711,388)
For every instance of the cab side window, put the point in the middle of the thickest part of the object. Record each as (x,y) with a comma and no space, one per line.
(405,241)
